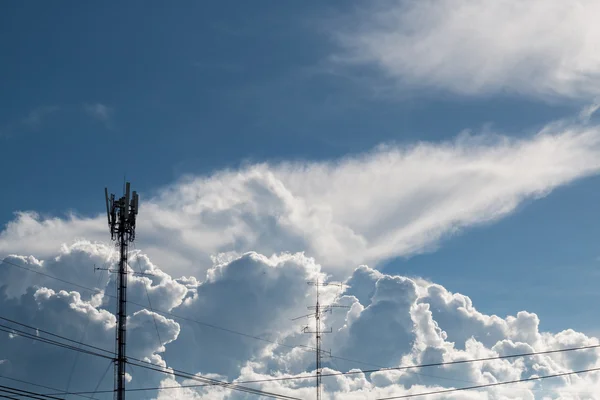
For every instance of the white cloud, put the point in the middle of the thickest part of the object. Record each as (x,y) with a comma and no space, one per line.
(35,116)
(395,201)
(397,321)
(534,47)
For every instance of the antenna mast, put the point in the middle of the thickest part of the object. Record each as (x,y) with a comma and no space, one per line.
(320,310)
(121,215)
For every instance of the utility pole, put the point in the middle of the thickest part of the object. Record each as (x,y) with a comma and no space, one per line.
(320,310)
(121,215)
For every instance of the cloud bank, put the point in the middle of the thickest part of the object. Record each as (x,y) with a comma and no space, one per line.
(534,48)
(304,221)
(391,321)
(394,201)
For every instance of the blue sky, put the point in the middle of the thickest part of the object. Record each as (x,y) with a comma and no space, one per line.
(198,88)
(194,89)
(93,93)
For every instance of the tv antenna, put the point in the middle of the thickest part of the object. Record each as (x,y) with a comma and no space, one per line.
(319,310)
(121,216)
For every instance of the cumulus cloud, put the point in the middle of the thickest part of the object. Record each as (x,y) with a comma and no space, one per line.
(391,321)
(305,221)
(393,201)
(533,47)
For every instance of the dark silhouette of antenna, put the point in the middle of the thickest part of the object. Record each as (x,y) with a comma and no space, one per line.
(121,215)
(320,310)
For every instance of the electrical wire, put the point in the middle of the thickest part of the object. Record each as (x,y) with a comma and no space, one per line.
(7,397)
(235,386)
(58,336)
(178,373)
(180,317)
(137,362)
(102,377)
(425,365)
(53,277)
(43,386)
(304,346)
(19,333)
(310,348)
(487,385)
(208,381)
(403,396)
(377,370)
(22,393)
(167,313)
(408,371)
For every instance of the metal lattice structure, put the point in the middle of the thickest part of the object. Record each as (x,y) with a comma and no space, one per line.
(122,215)
(319,310)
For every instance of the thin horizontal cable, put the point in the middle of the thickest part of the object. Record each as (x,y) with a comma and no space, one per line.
(43,386)
(487,385)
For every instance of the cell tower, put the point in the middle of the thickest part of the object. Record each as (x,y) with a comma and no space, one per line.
(121,215)
(320,310)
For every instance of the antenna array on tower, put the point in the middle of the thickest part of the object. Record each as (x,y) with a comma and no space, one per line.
(121,216)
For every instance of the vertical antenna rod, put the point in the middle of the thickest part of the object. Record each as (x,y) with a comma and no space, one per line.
(319,310)
(121,222)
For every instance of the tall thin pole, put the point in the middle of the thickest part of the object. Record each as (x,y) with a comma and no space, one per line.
(121,221)
(122,313)
(318,331)
(318,337)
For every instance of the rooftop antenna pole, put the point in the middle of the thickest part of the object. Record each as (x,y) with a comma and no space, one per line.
(121,214)
(320,310)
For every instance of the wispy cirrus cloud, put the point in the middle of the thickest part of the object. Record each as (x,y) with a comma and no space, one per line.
(31,121)
(35,117)
(99,111)
(38,117)
(534,48)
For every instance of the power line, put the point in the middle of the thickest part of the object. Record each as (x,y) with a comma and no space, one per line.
(102,378)
(304,346)
(183,374)
(397,397)
(406,396)
(429,365)
(43,386)
(57,336)
(12,331)
(208,381)
(384,369)
(167,313)
(7,397)
(55,278)
(22,393)
(180,317)
(138,362)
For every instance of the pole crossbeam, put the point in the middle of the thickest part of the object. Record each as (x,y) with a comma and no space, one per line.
(121,215)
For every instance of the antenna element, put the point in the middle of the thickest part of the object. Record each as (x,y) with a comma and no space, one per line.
(121,216)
